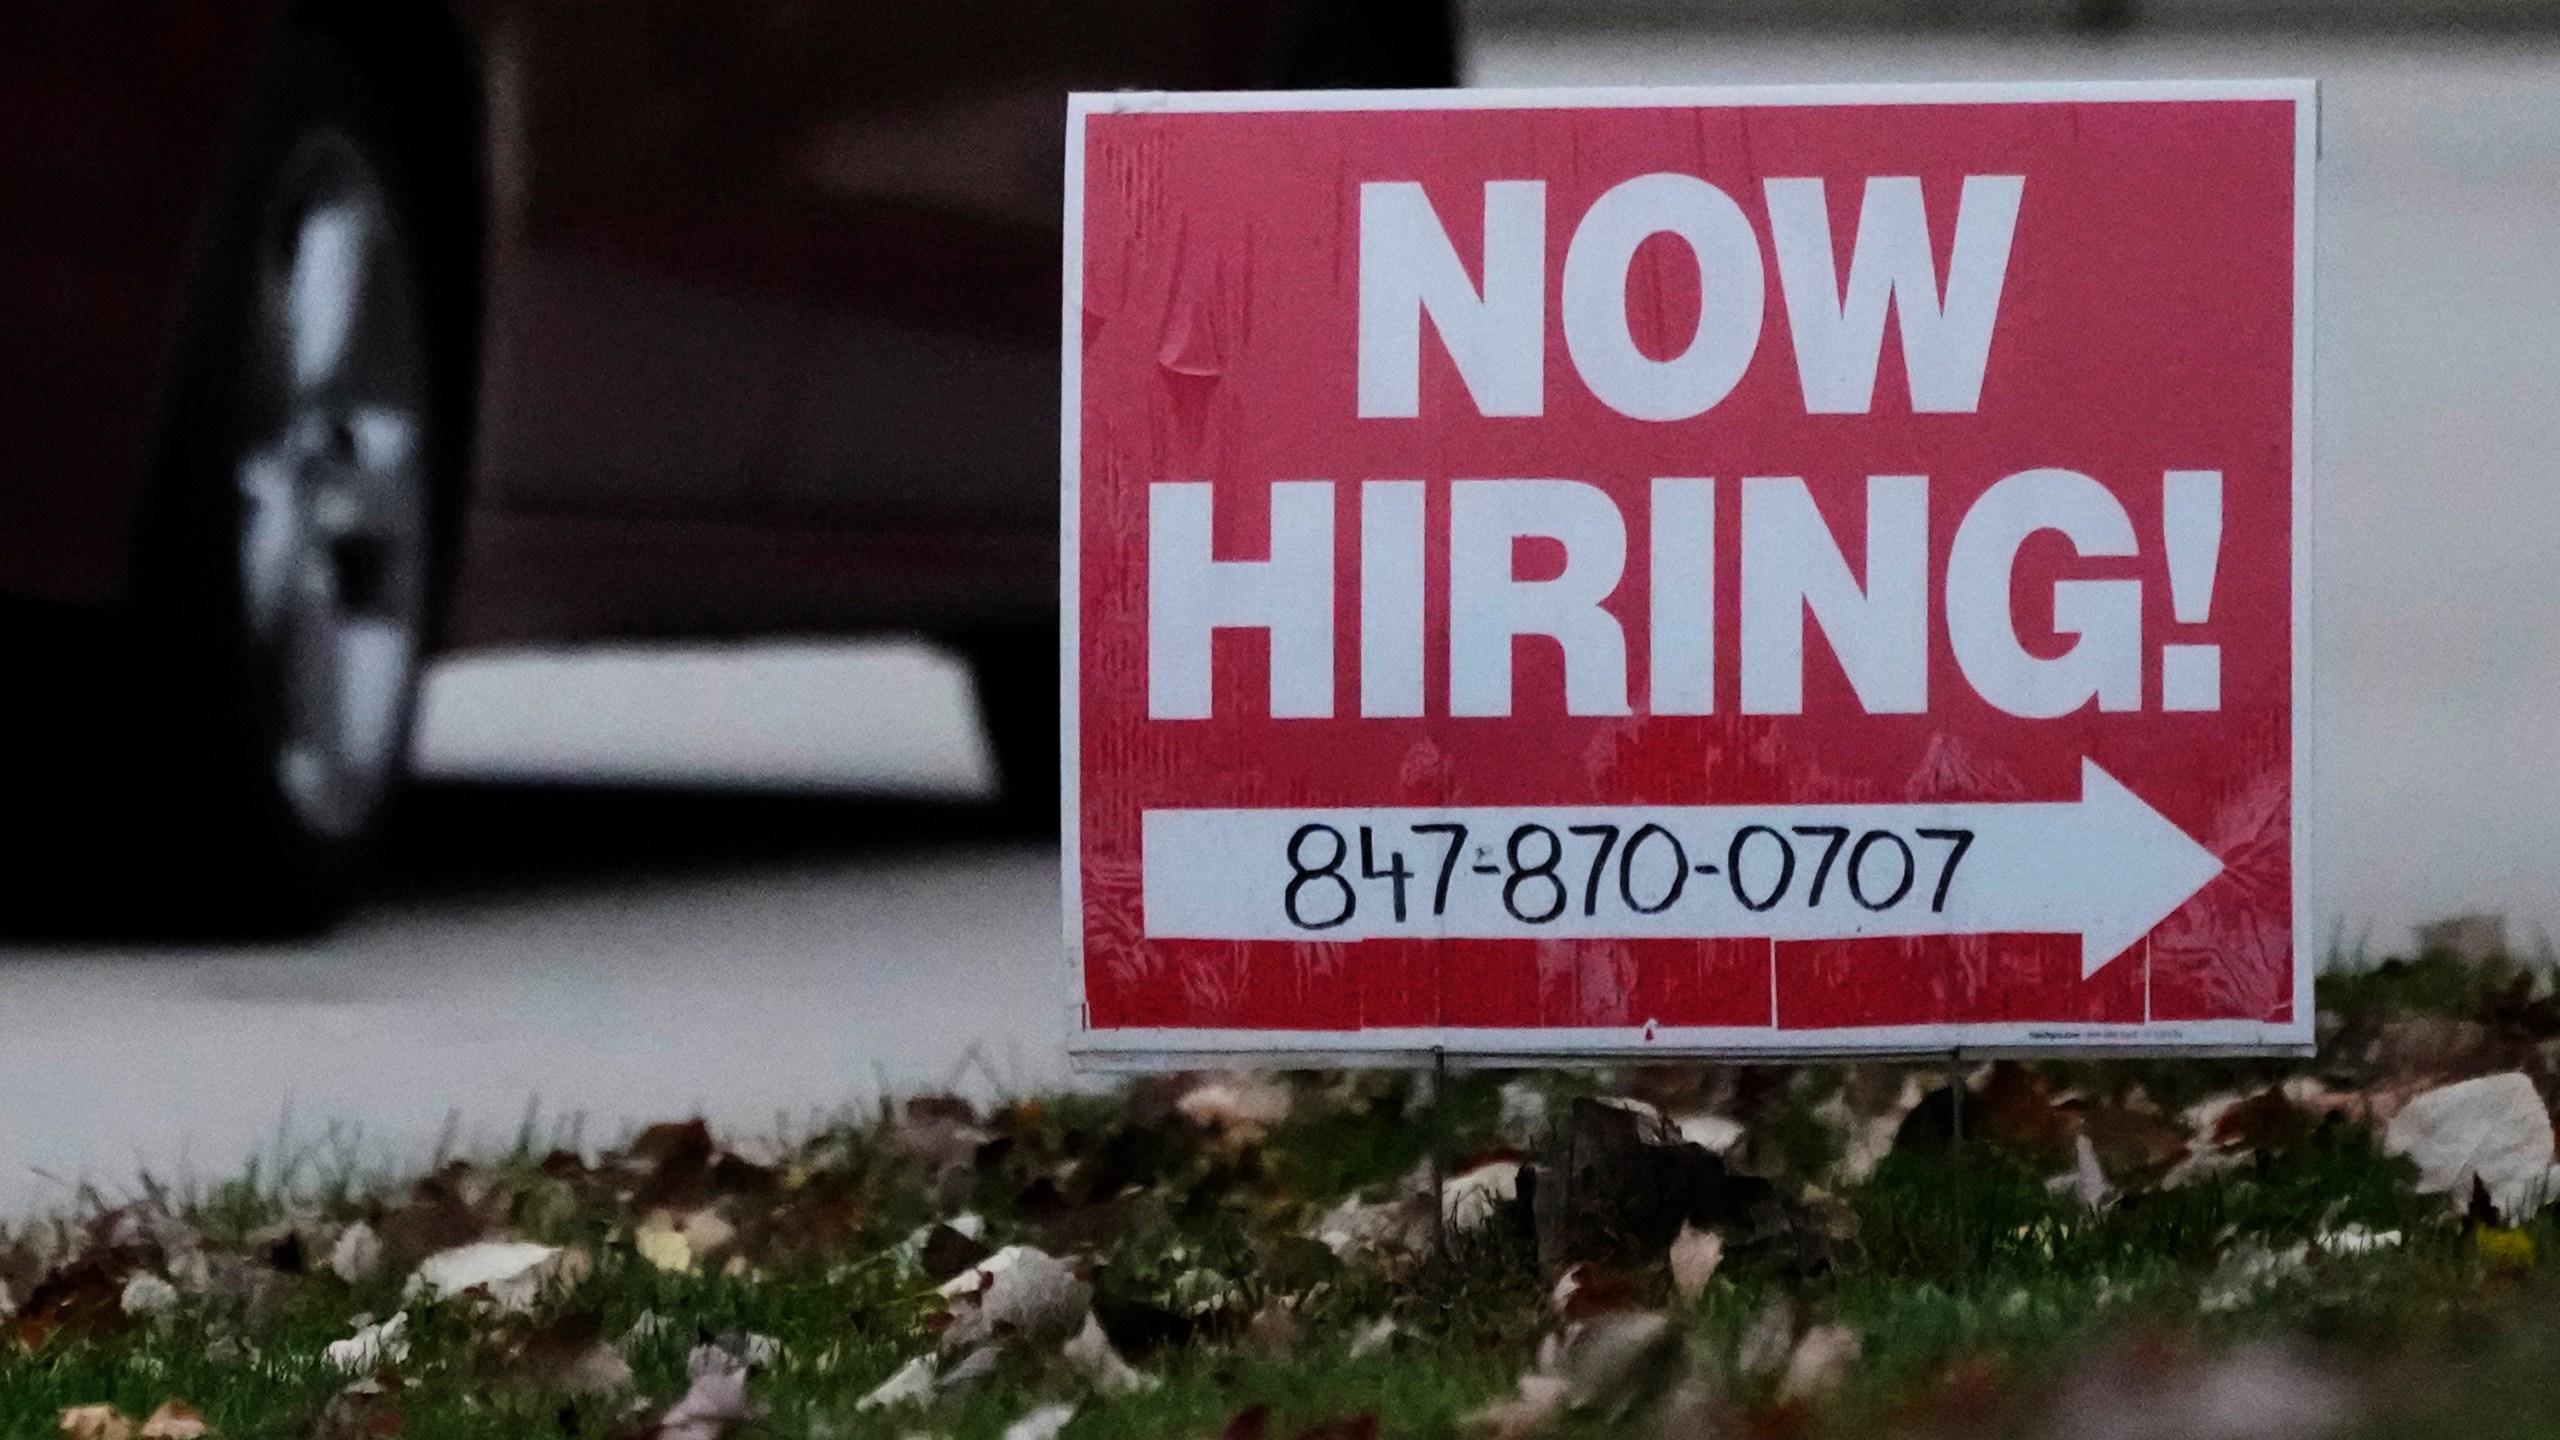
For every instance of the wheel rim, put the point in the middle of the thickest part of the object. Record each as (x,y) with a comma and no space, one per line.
(333,485)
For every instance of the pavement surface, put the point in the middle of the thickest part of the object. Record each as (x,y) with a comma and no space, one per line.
(758,885)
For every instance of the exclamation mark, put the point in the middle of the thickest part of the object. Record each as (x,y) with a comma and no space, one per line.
(2191,530)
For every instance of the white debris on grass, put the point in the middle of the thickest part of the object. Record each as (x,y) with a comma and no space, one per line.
(1524,1112)
(1357,1228)
(1240,1107)
(371,1347)
(1380,1334)
(712,1407)
(1043,1423)
(1033,1295)
(975,1366)
(147,1294)
(1470,1201)
(1695,1254)
(2245,1270)
(2084,1181)
(912,1381)
(512,1273)
(1820,1362)
(1770,1339)
(357,1254)
(1716,1134)
(2493,1129)
(2355,1240)
(1102,1365)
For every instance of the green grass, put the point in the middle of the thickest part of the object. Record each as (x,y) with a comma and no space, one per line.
(1971,1285)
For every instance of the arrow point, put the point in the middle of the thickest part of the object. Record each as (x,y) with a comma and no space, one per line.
(2154,867)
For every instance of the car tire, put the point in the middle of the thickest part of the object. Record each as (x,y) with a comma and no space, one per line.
(1016,675)
(290,557)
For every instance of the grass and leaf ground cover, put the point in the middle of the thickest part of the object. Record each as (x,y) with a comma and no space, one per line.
(2347,1246)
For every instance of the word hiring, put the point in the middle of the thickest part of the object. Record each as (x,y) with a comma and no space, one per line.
(1792,571)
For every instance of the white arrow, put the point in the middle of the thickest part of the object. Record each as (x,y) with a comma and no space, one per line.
(2106,867)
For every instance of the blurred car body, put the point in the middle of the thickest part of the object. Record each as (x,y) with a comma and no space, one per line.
(670,318)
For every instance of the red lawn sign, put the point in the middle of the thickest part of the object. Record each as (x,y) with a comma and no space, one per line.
(1733,572)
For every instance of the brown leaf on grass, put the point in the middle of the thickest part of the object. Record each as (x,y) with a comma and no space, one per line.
(2266,1122)
(947,1252)
(83,1300)
(1249,1423)
(1867,1113)
(174,1420)
(365,1410)
(675,1158)
(2017,1110)
(2135,1148)
(566,1353)
(445,1210)
(1584,1291)
(1139,1327)
(96,1422)
(1620,1184)
(2433,1049)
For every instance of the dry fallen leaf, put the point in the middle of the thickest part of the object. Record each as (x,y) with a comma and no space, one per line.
(1820,1362)
(706,1233)
(174,1420)
(1238,1107)
(96,1422)
(664,1246)
(1695,1254)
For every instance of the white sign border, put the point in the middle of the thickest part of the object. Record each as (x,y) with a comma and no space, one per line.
(1156,1049)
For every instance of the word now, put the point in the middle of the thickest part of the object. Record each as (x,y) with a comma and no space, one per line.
(1792,567)
(1496,335)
